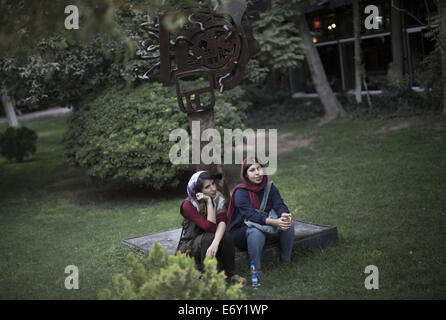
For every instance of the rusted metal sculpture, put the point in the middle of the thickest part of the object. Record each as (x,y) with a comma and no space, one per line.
(214,45)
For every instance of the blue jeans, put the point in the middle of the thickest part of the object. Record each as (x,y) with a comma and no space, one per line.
(256,241)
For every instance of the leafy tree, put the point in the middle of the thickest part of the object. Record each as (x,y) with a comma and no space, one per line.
(281,47)
(285,37)
(46,63)
(434,65)
(332,106)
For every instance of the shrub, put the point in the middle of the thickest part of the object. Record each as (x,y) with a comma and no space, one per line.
(430,78)
(255,73)
(230,109)
(18,143)
(276,105)
(124,134)
(280,44)
(160,276)
(396,100)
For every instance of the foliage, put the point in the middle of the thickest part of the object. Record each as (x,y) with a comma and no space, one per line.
(429,75)
(281,46)
(230,106)
(160,277)
(255,73)
(49,65)
(276,105)
(125,134)
(18,143)
(61,73)
(230,109)
(25,24)
(396,100)
(61,69)
(397,92)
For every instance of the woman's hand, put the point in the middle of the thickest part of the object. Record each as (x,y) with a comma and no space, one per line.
(283,223)
(212,250)
(287,215)
(202,196)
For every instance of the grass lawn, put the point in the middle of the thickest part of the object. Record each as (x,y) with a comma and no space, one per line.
(381,182)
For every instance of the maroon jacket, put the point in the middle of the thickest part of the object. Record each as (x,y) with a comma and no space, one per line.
(191,213)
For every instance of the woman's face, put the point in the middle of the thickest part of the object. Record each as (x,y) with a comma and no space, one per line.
(255,173)
(209,188)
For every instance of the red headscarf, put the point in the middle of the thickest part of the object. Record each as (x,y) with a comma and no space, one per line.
(252,189)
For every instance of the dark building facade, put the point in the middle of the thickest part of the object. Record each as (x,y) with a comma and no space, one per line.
(331,24)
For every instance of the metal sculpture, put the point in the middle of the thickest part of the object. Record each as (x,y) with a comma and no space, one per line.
(213,45)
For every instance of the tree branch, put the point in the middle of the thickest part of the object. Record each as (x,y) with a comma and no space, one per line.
(408,13)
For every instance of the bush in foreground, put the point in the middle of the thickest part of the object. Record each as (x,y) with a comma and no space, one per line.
(163,277)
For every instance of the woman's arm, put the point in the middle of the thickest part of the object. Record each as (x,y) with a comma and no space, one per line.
(245,208)
(210,210)
(283,223)
(191,213)
(211,216)
(277,201)
(213,248)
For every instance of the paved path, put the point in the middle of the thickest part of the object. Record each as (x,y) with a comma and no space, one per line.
(53,112)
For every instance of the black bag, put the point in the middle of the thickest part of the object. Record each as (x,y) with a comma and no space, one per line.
(189,234)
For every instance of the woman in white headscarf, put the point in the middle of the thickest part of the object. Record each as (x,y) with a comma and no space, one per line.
(204,226)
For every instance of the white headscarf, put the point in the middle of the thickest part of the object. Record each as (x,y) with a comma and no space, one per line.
(191,189)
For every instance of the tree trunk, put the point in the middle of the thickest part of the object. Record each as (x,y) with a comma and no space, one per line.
(9,109)
(332,106)
(356,32)
(443,71)
(397,43)
(442,11)
(206,119)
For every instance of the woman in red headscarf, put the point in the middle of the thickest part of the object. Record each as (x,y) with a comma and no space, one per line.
(244,206)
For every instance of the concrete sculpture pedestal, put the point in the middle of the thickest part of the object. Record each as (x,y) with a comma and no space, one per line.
(306,236)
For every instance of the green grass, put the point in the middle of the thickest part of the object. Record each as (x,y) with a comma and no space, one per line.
(386,193)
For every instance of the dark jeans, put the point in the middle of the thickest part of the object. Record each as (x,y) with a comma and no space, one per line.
(225,254)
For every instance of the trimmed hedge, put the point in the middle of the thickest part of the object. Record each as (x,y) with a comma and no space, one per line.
(18,143)
(124,134)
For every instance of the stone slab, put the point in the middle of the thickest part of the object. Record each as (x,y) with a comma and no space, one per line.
(306,236)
